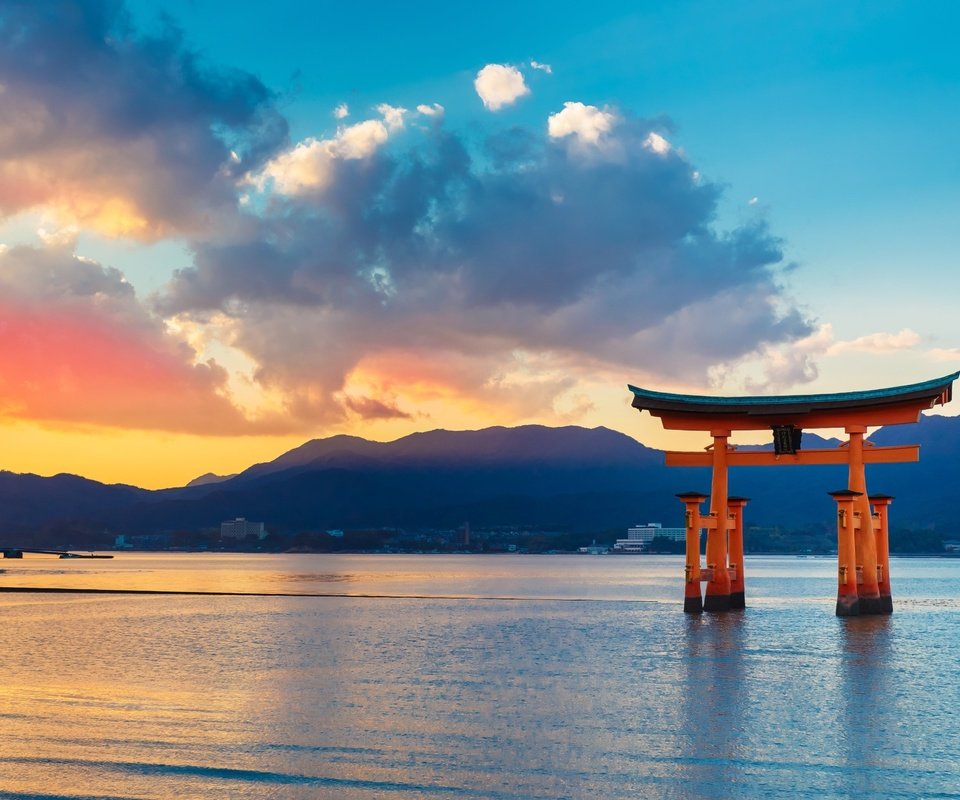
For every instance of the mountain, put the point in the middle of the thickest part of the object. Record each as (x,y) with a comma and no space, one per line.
(492,447)
(29,500)
(556,478)
(208,478)
(531,474)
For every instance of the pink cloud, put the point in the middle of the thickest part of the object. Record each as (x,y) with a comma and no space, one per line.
(70,365)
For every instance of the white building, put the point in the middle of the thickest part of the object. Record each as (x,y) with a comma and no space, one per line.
(241,528)
(639,537)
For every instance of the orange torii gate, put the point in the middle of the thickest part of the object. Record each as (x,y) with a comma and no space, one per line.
(863,582)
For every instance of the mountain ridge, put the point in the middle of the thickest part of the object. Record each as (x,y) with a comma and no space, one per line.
(584,478)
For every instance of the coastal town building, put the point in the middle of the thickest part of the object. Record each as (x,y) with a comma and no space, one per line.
(639,537)
(241,528)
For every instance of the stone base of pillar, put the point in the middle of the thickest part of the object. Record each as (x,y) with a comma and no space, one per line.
(737,600)
(693,604)
(716,602)
(848,605)
(871,605)
(886,604)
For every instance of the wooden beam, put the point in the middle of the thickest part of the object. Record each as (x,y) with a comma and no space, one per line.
(766,458)
(809,420)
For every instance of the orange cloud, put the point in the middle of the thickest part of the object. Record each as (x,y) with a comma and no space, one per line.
(69,365)
(460,389)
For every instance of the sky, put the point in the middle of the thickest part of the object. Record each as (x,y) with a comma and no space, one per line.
(223,233)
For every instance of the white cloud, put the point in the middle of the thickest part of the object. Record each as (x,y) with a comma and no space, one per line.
(542,67)
(877,343)
(342,111)
(775,367)
(500,85)
(304,167)
(392,115)
(308,166)
(61,237)
(361,140)
(778,368)
(656,143)
(435,110)
(587,123)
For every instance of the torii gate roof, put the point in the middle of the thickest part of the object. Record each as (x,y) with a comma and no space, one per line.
(891,406)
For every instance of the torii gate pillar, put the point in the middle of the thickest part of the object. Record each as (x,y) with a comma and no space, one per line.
(848,521)
(717,595)
(881,504)
(692,597)
(737,584)
(864,538)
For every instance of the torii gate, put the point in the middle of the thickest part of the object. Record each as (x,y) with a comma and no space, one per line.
(862,534)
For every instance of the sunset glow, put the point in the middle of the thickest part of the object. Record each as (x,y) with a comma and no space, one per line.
(482,238)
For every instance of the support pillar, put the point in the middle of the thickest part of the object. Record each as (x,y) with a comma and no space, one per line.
(692,598)
(718,587)
(848,603)
(881,505)
(737,598)
(864,538)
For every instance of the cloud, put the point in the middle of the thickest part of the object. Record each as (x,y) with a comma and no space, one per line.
(380,269)
(586,123)
(130,134)
(360,140)
(372,408)
(500,85)
(542,67)
(310,165)
(431,111)
(514,252)
(656,143)
(76,347)
(877,343)
(779,367)
(392,115)
(944,354)
(342,111)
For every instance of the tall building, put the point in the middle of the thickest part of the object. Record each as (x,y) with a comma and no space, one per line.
(462,538)
(241,528)
(639,537)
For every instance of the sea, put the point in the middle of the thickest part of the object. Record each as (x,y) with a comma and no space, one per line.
(469,676)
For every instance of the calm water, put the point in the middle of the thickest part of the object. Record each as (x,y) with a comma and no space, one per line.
(583,679)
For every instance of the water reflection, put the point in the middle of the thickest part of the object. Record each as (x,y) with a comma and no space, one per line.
(867,690)
(713,700)
(302,697)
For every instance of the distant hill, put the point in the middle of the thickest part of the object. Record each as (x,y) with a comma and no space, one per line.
(565,478)
(492,447)
(208,478)
(531,475)
(27,500)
